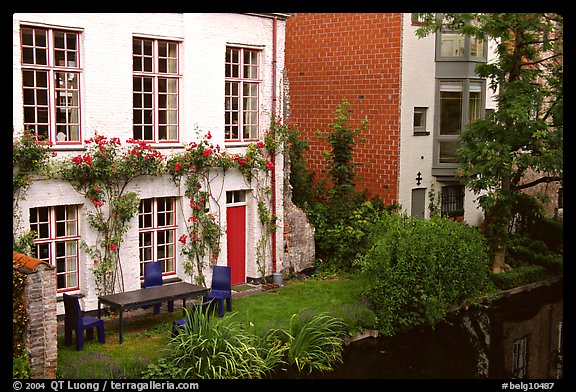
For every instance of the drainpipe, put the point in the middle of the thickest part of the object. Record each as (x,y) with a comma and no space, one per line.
(273,156)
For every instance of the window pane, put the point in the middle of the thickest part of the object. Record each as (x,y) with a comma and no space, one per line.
(27,56)
(41,57)
(452,45)
(27,37)
(475,101)
(450,108)
(448,151)
(476,47)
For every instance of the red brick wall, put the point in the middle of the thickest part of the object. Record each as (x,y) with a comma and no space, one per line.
(353,56)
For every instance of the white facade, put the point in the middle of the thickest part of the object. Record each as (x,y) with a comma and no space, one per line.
(419,90)
(107,106)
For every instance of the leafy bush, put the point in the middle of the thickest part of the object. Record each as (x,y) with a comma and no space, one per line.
(524,250)
(340,241)
(20,361)
(551,232)
(21,367)
(419,269)
(518,276)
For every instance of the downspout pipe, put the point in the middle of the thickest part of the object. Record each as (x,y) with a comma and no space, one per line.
(273,156)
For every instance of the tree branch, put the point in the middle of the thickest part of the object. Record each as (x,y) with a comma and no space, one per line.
(546,179)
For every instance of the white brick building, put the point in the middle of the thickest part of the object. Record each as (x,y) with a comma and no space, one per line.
(158,77)
(435,69)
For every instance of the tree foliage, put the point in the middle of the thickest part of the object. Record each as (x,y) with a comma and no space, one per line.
(525,132)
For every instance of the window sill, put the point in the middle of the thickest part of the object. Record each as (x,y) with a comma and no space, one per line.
(68,147)
(167,146)
(421,133)
(237,144)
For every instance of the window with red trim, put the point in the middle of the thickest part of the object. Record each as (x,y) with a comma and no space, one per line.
(157,232)
(51,76)
(156,82)
(242,86)
(57,242)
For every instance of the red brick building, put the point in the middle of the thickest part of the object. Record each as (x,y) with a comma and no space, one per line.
(357,57)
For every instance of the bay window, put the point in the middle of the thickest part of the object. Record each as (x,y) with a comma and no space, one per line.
(460,103)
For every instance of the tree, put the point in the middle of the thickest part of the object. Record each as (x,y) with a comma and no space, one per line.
(525,132)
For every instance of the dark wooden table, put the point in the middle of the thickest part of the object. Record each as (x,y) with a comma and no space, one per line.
(150,296)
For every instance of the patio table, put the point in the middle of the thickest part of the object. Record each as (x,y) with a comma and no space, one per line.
(149,296)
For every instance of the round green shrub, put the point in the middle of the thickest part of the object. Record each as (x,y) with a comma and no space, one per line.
(419,269)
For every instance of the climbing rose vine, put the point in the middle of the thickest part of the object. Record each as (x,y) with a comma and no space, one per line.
(102,175)
(201,241)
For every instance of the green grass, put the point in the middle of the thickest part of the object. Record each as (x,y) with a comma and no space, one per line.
(146,335)
(275,308)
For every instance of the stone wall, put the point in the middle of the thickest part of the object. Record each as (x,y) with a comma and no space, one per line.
(41,336)
(42,328)
(299,248)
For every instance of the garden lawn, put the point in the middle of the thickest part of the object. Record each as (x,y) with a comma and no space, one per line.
(146,335)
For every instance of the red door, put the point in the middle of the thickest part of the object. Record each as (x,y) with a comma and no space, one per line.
(236,238)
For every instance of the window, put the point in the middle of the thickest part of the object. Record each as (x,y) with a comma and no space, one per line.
(242,85)
(57,242)
(452,44)
(157,231)
(519,363)
(155,90)
(420,121)
(460,103)
(235,197)
(452,199)
(451,95)
(51,83)
(477,47)
(417,19)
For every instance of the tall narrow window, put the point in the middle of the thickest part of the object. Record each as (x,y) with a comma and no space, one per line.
(57,242)
(451,96)
(155,90)
(477,47)
(242,85)
(474,101)
(51,83)
(157,231)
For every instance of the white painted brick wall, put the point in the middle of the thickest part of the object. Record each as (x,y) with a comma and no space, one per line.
(106,99)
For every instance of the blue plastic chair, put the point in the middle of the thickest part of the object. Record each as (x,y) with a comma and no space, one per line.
(206,308)
(74,320)
(153,277)
(221,288)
